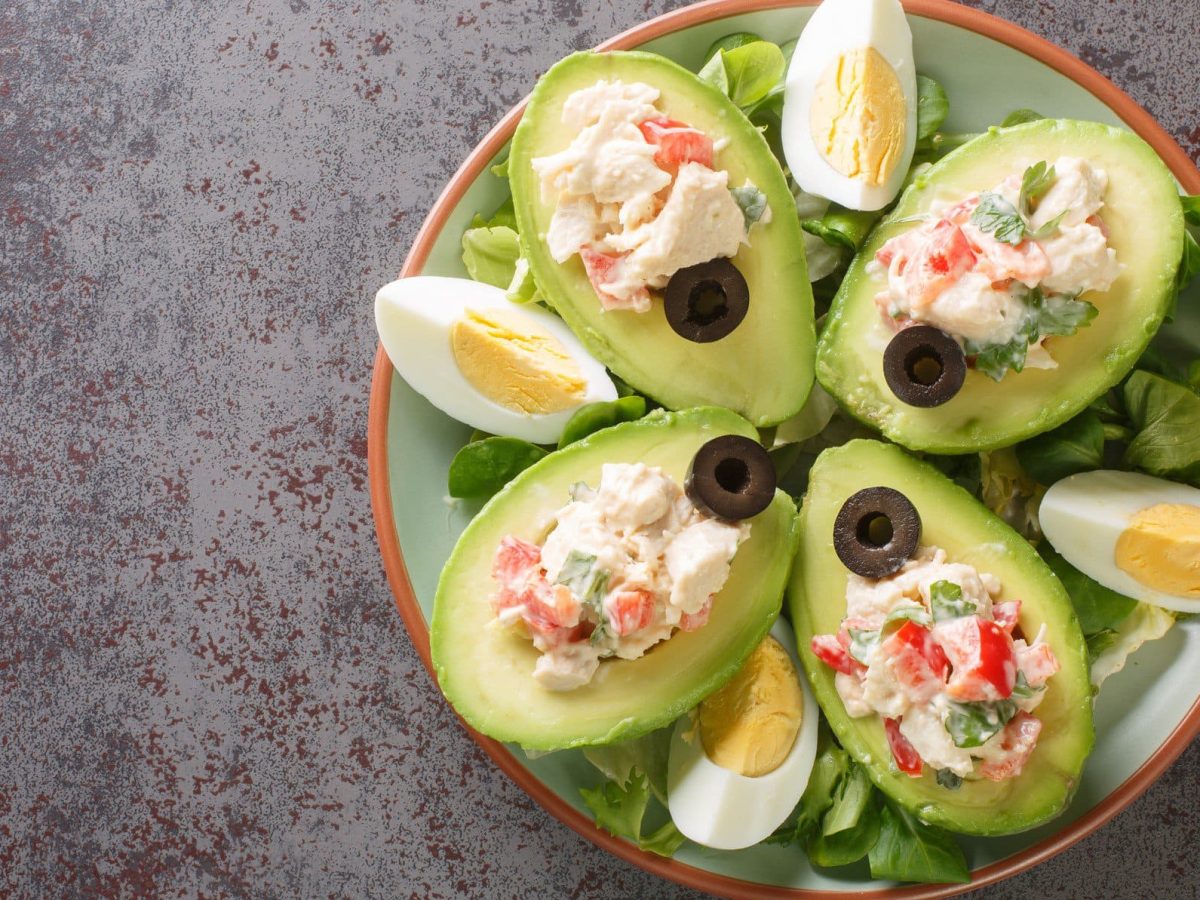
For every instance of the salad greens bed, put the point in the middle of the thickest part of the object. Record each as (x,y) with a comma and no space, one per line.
(1149,422)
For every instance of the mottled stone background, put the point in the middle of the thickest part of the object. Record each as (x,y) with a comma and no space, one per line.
(204,686)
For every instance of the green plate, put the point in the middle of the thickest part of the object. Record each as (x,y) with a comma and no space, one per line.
(412,445)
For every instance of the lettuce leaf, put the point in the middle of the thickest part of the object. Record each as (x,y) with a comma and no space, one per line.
(647,754)
(1145,623)
(909,850)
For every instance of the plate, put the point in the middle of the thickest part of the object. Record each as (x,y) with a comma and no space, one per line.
(1146,715)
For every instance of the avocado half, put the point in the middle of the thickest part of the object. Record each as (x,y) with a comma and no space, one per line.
(1145,224)
(955,521)
(486,672)
(764,369)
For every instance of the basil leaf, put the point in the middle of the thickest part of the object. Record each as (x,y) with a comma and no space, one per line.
(845,847)
(999,218)
(910,850)
(1191,209)
(585,580)
(751,201)
(482,468)
(932,107)
(1022,690)
(730,42)
(490,254)
(1097,607)
(1037,180)
(918,614)
(861,644)
(1020,117)
(1075,446)
(594,416)
(973,724)
(949,779)
(946,600)
(1167,418)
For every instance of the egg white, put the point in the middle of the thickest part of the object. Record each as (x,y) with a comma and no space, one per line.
(1083,515)
(727,811)
(836,27)
(413,317)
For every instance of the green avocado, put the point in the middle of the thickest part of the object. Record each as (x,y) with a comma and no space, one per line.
(1145,224)
(953,520)
(764,369)
(486,672)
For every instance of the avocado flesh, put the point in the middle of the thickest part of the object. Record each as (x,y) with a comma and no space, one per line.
(953,520)
(1142,214)
(764,369)
(486,672)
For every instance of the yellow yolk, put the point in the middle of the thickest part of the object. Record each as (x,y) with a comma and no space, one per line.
(858,116)
(750,724)
(514,362)
(1161,549)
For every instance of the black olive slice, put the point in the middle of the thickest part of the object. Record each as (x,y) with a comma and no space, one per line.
(924,366)
(705,303)
(731,477)
(876,532)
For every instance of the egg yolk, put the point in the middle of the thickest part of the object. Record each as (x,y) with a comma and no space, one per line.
(750,724)
(1161,549)
(516,363)
(858,116)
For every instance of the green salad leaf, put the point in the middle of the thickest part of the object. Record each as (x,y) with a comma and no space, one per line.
(847,846)
(830,767)
(932,107)
(648,754)
(850,801)
(603,414)
(1146,623)
(620,808)
(1191,209)
(490,254)
(748,73)
(1075,446)
(909,850)
(1166,417)
(1098,608)
(482,468)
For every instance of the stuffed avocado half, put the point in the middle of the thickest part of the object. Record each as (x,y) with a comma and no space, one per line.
(487,670)
(1025,786)
(1089,337)
(763,367)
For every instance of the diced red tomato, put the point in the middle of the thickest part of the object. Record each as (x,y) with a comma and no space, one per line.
(1037,662)
(602,270)
(960,213)
(943,258)
(832,652)
(550,611)
(698,619)
(981,654)
(1006,614)
(630,611)
(678,143)
(918,663)
(1017,742)
(1099,223)
(906,756)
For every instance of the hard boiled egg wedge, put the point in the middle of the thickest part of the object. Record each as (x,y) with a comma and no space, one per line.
(499,367)
(740,762)
(1138,535)
(850,103)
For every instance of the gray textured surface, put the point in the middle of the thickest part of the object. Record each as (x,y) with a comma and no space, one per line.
(203,682)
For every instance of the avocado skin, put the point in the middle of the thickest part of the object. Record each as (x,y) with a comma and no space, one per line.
(764,369)
(957,522)
(487,673)
(1143,214)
